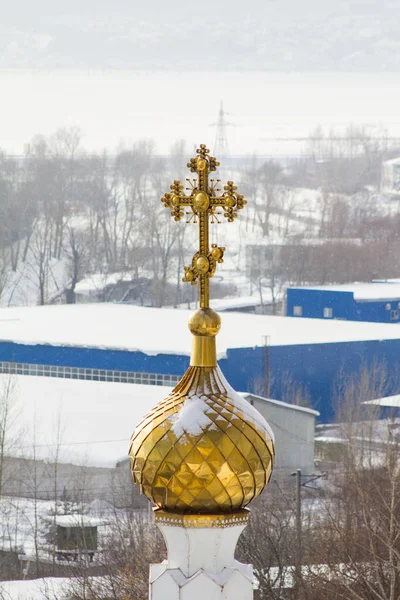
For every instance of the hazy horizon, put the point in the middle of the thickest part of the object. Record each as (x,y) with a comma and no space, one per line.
(114,107)
(347,36)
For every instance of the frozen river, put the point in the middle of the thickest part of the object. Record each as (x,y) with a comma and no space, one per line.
(118,106)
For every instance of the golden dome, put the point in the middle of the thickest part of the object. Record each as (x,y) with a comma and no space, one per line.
(203,449)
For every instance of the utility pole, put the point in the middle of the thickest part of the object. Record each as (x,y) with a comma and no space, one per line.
(299,526)
(299,550)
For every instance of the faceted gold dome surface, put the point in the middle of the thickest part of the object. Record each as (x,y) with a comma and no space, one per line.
(203,449)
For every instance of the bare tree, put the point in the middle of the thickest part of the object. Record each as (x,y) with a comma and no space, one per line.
(78,252)
(132,545)
(10,432)
(271,176)
(57,170)
(362,520)
(39,257)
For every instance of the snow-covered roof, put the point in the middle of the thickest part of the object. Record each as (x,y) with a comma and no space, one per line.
(238,302)
(294,407)
(76,520)
(396,280)
(95,418)
(392,161)
(389,401)
(362,291)
(165,331)
(98,281)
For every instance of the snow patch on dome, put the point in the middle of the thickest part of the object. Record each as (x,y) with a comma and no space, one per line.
(192,417)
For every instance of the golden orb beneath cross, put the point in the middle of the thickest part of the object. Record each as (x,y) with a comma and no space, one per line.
(205,321)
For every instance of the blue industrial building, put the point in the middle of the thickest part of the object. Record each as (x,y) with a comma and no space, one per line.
(313,368)
(371,302)
(141,345)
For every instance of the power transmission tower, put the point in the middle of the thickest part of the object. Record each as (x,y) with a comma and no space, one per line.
(221,141)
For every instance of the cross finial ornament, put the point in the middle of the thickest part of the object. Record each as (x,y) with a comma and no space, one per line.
(204,206)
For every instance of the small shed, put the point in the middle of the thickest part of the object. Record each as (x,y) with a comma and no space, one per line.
(373,302)
(76,536)
(294,430)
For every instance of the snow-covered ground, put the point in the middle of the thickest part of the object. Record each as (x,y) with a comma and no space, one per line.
(21,287)
(48,588)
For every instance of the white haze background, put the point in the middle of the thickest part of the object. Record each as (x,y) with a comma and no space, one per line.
(120,106)
(128,70)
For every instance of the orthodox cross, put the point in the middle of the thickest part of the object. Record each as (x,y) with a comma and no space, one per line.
(203,204)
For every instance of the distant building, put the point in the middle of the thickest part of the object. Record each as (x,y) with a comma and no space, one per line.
(126,344)
(373,302)
(390,177)
(294,431)
(113,287)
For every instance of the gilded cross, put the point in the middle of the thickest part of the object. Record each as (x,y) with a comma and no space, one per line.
(204,206)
